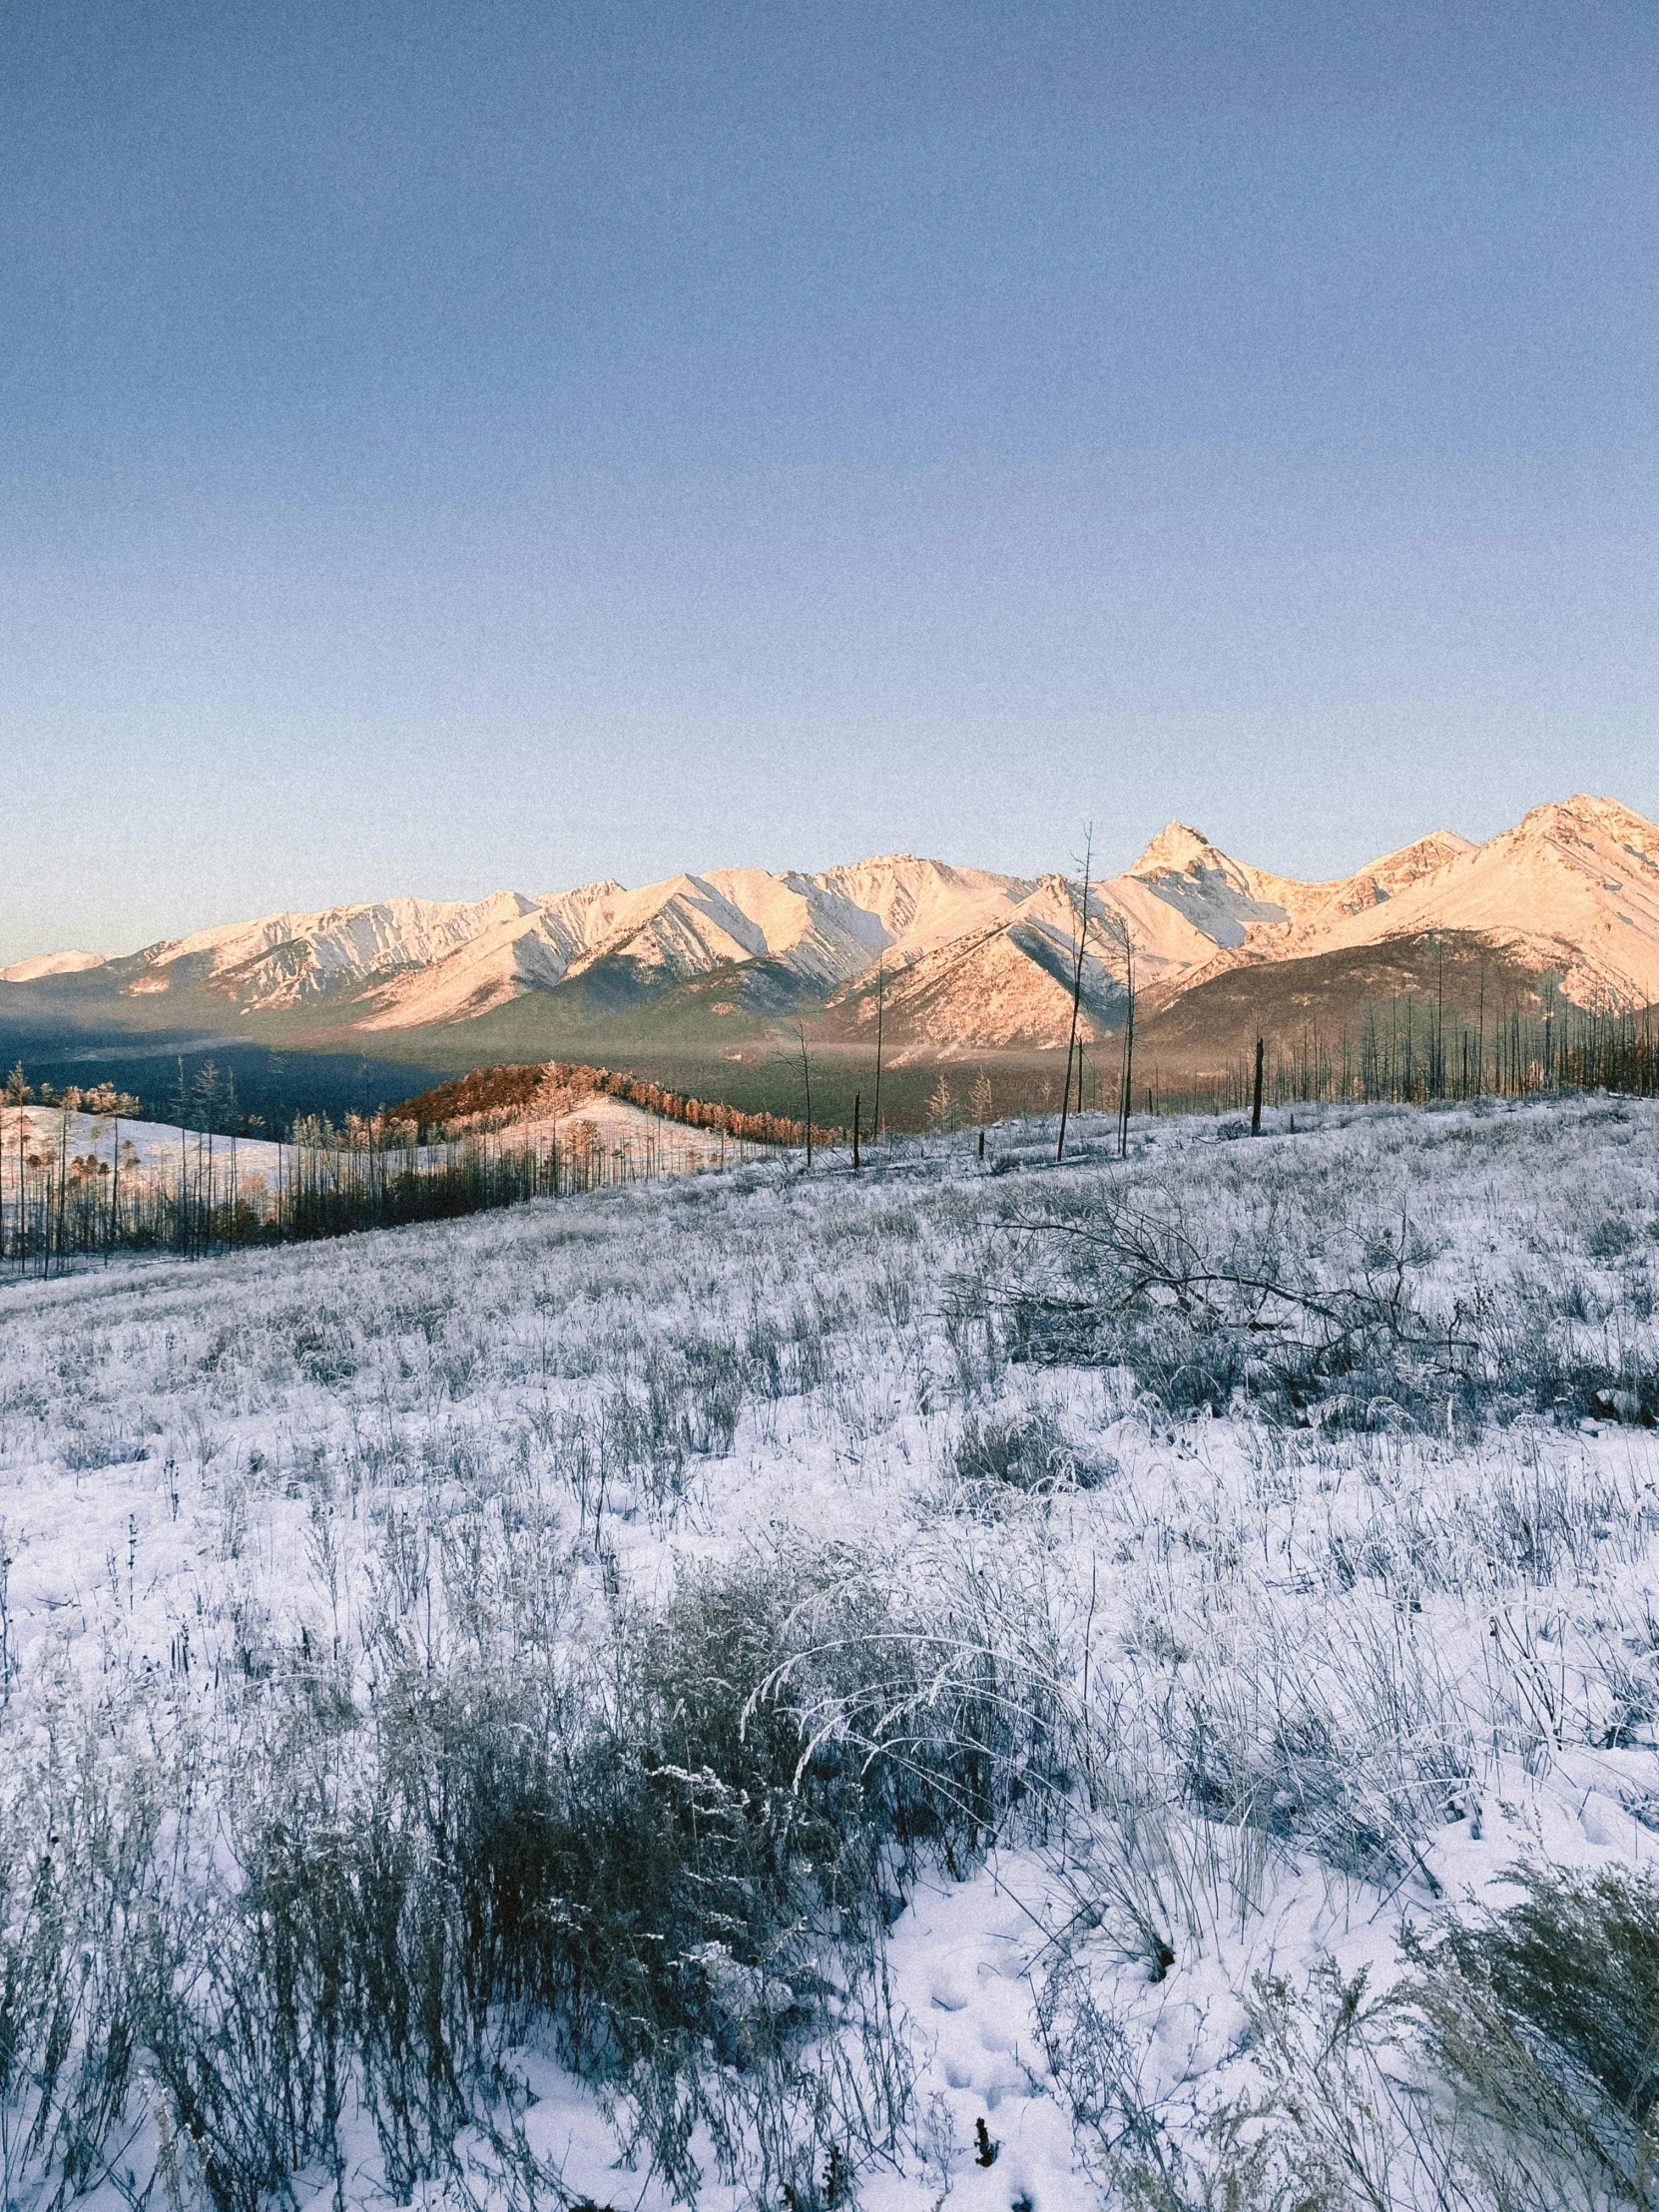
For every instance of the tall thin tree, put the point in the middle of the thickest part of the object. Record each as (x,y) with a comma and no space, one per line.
(880,1001)
(17,1092)
(1081,934)
(807,1081)
(1126,942)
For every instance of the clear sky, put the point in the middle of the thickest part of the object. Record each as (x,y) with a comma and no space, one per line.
(479,445)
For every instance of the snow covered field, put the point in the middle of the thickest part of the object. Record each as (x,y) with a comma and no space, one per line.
(992,1686)
(157,1147)
(67,1197)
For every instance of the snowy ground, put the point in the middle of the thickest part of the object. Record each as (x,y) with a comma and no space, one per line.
(157,1144)
(620,1126)
(1261,1535)
(636,1144)
(156,1147)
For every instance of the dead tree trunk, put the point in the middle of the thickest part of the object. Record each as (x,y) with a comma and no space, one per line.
(807,1081)
(1125,1087)
(880,1002)
(1076,993)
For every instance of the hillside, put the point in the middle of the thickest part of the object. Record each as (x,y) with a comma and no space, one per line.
(84,1184)
(950,1686)
(1459,982)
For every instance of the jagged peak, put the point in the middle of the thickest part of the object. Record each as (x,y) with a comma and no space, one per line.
(1449,841)
(1180,848)
(1186,896)
(1583,814)
(1422,857)
(606,887)
(883,859)
(897,863)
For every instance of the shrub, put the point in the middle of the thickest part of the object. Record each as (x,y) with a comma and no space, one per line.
(672,1876)
(1027,1453)
(1611,1238)
(1545,2015)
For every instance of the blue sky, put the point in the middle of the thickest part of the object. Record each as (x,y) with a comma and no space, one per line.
(445,448)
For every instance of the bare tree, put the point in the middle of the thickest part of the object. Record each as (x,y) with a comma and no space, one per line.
(1128,1038)
(880,999)
(1113,932)
(1080,943)
(806,1082)
(18,1095)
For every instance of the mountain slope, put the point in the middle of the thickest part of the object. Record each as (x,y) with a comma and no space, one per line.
(411,962)
(284,959)
(1316,1002)
(1004,987)
(1190,909)
(958,959)
(1313,916)
(51,963)
(1574,885)
(1572,888)
(1217,895)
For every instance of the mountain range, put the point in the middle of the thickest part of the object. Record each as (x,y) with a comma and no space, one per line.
(950,960)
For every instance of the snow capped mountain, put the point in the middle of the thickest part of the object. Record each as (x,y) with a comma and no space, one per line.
(1006,989)
(1383,879)
(530,945)
(1573,888)
(818,930)
(824,929)
(1309,918)
(1000,987)
(923,904)
(1008,983)
(1574,885)
(282,960)
(50,963)
(968,958)
(1190,910)
(1220,896)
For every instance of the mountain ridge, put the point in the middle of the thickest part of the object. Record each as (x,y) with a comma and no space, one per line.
(952,957)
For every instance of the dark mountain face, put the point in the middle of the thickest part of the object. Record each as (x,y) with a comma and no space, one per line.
(1329,997)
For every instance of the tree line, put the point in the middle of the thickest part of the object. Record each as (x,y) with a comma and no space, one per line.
(1408,1050)
(74,1183)
(509,1094)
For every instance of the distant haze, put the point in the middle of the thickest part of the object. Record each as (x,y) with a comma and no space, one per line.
(450,450)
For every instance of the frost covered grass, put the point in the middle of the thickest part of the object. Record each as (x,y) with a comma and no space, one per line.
(1133,1684)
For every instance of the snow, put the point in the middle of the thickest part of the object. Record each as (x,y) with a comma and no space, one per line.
(50,963)
(1424,1629)
(637,1144)
(281,958)
(1219,895)
(1574,887)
